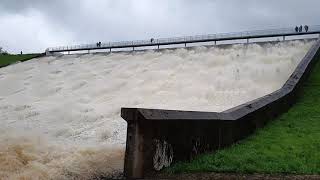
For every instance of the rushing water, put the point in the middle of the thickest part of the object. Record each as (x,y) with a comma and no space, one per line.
(60,116)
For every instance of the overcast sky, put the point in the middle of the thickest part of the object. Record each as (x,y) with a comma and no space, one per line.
(34,25)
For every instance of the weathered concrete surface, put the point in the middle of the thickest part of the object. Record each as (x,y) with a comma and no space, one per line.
(156,138)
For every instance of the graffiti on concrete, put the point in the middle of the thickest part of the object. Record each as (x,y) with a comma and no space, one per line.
(163,155)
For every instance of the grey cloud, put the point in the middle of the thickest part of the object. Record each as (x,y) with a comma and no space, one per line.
(87,21)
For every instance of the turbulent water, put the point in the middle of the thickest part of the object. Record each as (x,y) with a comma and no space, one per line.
(60,116)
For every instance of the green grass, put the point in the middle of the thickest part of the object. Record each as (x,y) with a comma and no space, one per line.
(10,59)
(289,144)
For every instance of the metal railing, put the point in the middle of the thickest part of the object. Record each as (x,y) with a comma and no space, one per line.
(314,29)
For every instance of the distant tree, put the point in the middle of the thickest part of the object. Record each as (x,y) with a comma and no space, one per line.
(3,52)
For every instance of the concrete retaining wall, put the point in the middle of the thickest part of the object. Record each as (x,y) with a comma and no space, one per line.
(156,138)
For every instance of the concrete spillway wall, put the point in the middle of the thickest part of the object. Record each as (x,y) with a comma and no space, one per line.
(156,137)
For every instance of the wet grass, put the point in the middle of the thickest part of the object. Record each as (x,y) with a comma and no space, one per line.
(10,59)
(290,144)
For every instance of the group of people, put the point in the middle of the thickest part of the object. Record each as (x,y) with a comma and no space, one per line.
(98,44)
(299,29)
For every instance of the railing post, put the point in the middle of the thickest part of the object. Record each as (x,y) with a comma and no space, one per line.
(284,38)
(248,40)
(159,45)
(185,44)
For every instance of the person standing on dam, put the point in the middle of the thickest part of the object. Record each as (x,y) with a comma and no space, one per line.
(300,28)
(296,29)
(306,28)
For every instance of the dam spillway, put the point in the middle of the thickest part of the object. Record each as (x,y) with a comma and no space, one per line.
(60,115)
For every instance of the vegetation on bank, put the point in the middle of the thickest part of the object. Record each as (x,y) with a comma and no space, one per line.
(289,144)
(7,59)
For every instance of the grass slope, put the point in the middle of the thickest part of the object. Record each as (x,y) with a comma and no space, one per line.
(10,59)
(290,144)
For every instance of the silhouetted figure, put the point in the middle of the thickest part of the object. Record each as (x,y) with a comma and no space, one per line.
(300,28)
(21,52)
(99,44)
(151,40)
(306,28)
(297,29)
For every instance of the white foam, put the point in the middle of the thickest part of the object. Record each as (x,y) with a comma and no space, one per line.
(73,102)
